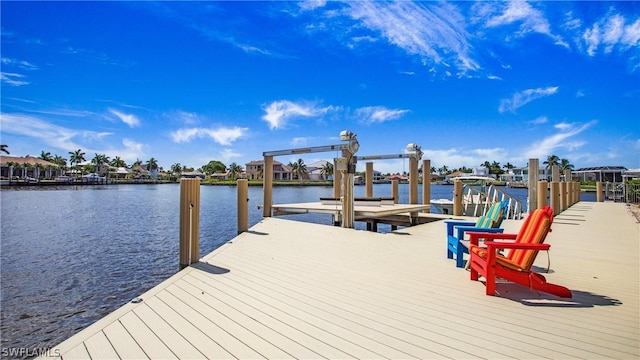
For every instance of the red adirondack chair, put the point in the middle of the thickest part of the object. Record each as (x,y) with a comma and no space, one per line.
(516,265)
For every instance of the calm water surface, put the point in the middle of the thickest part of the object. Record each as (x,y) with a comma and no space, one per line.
(70,256)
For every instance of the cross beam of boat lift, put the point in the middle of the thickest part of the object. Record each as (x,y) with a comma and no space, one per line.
(417,154)
(349,148)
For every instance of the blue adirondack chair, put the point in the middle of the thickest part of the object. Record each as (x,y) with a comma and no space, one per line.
(490,222)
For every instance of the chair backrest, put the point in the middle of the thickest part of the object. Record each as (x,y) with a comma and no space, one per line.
(495,214)
(533,231)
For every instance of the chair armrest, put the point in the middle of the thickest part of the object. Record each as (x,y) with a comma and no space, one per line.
(511,245)
(468,229)
(475,236)
(452,223)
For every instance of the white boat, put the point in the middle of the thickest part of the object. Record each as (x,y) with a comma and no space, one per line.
(478,193)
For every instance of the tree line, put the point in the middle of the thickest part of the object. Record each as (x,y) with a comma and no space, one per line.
(299,168)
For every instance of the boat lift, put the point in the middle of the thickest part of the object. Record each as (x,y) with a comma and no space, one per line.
(414,154)
(345,165)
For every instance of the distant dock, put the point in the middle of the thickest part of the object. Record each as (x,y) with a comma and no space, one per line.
(288,289)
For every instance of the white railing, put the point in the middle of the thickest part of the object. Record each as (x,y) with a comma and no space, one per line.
(476,202)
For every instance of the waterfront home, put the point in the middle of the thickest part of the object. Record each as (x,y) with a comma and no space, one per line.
(28,167)
(254,170)
(521,175)
(599,173)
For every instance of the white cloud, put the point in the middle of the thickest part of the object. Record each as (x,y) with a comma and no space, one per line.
(311,4)
(522,98)
(434,31)
(552,143)
(278,113)
(531,20)
(540,120)
(57,137)
(132,150)
(25,65)
(612,32)
(227,155)
(222,135)
(378,114)
(13,79)
(128,119)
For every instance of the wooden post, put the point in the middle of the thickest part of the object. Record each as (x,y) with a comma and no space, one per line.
(394,190)
(426,183)
(413,180)
(543,193)
(457,198)
(347,191)
(189,222)
(564,202)
(534,176)
(599,191)
(576,192)
(337,180)
(243,205)
(555,197)
(369,180)
(267,184)
(555,173)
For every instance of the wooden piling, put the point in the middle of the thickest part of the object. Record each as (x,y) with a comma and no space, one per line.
(426,183)
(189,222)
(267,186)
(564,202)
(554,198)
(542,194)
(599,196)
(337,180)
(534,176)
(394,190)
(369,179)
(413,181)
(457,198)
(243,205)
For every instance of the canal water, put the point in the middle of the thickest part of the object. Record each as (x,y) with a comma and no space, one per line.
(71,255)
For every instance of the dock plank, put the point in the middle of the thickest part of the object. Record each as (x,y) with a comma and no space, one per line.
(152,346)
(123,343)
(99,347)
(159,319)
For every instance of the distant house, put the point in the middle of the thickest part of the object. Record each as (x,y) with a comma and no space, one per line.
(522,175)
(315,170)
(254,170)
(28,167)
(599,173)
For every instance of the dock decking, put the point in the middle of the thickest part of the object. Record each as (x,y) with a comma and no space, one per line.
(289,289)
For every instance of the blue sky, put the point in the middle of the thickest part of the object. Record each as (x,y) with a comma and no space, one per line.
(192,82)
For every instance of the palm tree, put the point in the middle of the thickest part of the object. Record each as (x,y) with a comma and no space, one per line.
(327,170)
(565,165)
(3,148)
(46,156)
(118,162)
(235,170)
(293,166)
(176,168)
(152,167)
(98,161)
(551,161)
(261,172)
(301,169)
(76,157)
(508,166)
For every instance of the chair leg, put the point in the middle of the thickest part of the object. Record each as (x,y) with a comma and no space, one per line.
(459,256)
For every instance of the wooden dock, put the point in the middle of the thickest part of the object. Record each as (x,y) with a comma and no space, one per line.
(288,289)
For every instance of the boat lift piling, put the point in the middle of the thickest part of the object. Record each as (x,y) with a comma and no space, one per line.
(189,222)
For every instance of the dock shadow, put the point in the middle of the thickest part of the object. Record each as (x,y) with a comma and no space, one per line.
(530,297)
(211,269)
(257,232)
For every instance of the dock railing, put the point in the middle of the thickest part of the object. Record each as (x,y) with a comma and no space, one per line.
(477,202)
